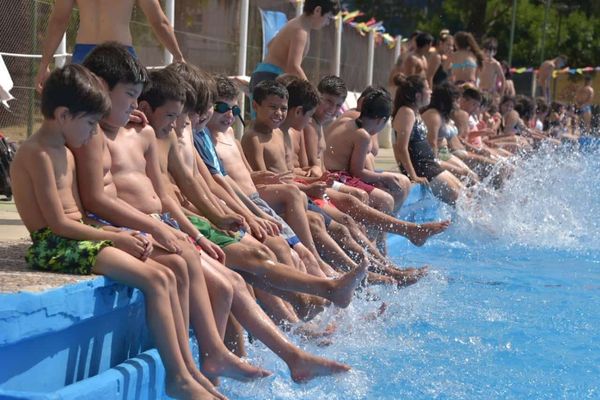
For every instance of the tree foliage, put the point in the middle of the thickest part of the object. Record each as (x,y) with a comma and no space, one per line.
(577,20)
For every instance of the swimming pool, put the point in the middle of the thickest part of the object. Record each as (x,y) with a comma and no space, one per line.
(511,309)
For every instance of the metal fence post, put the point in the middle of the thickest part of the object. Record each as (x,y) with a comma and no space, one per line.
(170,13)
(242,59)
(299,6)
(398,49)
(62,49)
(337,51)
(370,57)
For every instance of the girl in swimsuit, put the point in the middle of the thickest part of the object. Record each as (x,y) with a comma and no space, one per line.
(412,150)
(466,60)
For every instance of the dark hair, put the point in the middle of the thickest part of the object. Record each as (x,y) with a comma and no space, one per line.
(490,44)
(368,90)
(112,62)
(471,92)
(333,85)
(301,93)
(556,106)
(466,41)
(525,107)
(165,85)
(423,39)
(443,99)
(75,88)
(377,104)
(226,88)
(407,89)
(506,99)
(269,88)
(541,105)
(332,6)
(414,34)
(506,69)
(201,82)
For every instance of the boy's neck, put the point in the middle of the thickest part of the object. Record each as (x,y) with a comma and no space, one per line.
(51,134)
(305,22)
(263,128)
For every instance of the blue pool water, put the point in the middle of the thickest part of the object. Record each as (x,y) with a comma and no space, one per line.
(511,309)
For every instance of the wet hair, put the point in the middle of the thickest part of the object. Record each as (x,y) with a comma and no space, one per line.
(423,39)
(525,106)
(301,93)
(471,92)
(377,104)
(407,89)
(332,6)
(226,88)
(490,44)
(202,83)
(75,88)
(368,90)
(269,88)
(541,105)
(466,41)
(506,99)
(443,99)
(557,106)
(506,69)
(112,62)
(166,85)
(333,85)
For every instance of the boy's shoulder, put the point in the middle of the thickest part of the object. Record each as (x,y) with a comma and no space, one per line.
(145,132)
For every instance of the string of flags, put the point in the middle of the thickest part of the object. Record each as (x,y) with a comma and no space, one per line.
(372,25)
(555,73)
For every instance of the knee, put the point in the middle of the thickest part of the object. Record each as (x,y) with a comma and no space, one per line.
(258,253)
(339,229)
(179,267)
(237,282)
(223,290)
(316,221)
(163,279)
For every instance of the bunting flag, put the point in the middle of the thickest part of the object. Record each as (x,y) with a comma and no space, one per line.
(372,25)
(555,73)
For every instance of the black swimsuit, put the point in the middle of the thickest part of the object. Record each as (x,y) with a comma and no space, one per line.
(421,153)
(440,76)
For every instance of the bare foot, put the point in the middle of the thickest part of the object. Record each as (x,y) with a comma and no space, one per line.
(187,388)
(418,234)
(305,367)
(311,331)
(343,288)
(410,276)
(206,383)
(309,306)
(376,314)
(231,366)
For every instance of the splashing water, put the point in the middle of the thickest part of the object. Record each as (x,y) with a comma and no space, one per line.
(510,310)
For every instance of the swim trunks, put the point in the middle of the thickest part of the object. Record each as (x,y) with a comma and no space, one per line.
(216,236)
(53,253)
(350,180)
(314,207)
(286,232)
(80,51)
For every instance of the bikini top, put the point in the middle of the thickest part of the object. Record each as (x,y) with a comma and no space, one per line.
(447,131)
(464,65)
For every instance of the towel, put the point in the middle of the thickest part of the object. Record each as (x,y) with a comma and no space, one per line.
(6,84)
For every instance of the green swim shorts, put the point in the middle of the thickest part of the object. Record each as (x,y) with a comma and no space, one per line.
(216,236)
(53,253)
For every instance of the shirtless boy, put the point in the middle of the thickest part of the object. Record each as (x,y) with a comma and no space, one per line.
(416,62)
(544,75)
(583,100)
(46,196)
(101,21)
(491,77)
(291,44)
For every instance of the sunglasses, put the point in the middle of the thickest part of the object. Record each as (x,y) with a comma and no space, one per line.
(222,108)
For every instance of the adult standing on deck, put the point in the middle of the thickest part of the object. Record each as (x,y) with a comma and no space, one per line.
(544,76)
(467,60)
(583,100)
(102,21)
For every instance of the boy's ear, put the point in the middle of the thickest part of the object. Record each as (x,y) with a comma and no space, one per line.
(318,11)
(299,111)
(61,114)
(255,105)
(145,107)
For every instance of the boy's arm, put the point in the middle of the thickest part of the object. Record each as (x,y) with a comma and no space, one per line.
(254,152)
(193,190)
(161,27)
(296,54)
(433,121)
(360,148)
(57,26)
(90,181)
(311,143)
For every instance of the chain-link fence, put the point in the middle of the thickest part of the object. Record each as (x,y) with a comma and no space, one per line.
(207,32)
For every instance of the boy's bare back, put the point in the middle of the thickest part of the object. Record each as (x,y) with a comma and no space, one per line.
(103,20)
(40,171)
(291,36)
(343,142)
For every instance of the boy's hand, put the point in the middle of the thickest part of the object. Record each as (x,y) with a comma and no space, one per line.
(420,179)
(231,222)
(272,226)
(315,171)
(316,189)
(130,242)
(148,243)
(257,229)
(211,249)
(167,238)
(269,178)
(138,117)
